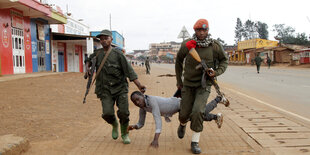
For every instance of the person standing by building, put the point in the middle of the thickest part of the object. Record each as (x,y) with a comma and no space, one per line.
(258,60)
(112,85)
(147,65)
(268,62)
(194,95)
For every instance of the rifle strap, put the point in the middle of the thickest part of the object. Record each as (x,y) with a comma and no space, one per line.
(102,63)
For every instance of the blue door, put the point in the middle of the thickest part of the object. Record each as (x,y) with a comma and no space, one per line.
(61,61)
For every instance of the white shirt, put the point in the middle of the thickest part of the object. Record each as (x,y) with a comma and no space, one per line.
(158,106)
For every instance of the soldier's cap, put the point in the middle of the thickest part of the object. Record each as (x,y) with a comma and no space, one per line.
(104,33)
(201,24)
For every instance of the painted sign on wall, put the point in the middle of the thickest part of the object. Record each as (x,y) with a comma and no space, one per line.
(47,44)
(5,38)
(28,44)
(256,43)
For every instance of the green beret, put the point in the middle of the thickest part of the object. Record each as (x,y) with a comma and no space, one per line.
(104,33)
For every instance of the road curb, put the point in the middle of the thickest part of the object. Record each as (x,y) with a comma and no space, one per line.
(29,75)
(11,144)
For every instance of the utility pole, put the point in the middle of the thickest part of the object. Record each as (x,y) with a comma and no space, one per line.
(110,23)
(69,14)
(309,22)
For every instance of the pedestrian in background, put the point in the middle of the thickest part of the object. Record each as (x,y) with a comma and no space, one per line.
(112,85)
(194,95)
(147,65)
(268,62)
(258,61)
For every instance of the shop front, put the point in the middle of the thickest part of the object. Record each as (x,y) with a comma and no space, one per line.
(25,36)
(69,52)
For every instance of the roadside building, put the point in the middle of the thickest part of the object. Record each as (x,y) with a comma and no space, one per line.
(278,53)
(247,50)
(230,49)
(139,53)
(71,44)
(303,56)
(165,51)
(25,36)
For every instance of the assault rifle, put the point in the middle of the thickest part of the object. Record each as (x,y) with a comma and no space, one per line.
(90,77)
(205,75)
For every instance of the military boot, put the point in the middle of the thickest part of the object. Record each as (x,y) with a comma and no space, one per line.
(125,135)
(115,130)
(195,148)
(181,131)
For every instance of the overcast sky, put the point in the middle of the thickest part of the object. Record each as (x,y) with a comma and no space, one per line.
(152,21)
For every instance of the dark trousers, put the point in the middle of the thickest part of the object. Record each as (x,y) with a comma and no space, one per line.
(257,68)
(108,113)
(192,106)
(147,70)
(209,107)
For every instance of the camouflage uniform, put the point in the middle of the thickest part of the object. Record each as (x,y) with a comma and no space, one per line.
(112,85)
(194,96)
(147,65)
(258,60)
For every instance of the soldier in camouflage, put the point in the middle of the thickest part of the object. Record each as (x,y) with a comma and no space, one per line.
(112,85)
(194,96)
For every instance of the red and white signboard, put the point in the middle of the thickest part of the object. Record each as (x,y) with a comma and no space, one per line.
(28,42)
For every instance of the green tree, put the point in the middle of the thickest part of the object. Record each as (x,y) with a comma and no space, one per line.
(262,30)
(302,39)
(154,57)
(165,58)
(249,29)
(238,31)
(141,57)
(285,34)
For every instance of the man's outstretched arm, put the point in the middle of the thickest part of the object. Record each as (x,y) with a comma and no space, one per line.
(140,124)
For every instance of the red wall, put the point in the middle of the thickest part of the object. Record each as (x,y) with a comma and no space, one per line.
(304,60)
(6,53)
(27,47)
(78,49)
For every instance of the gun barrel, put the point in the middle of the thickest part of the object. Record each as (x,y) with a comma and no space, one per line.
(86,93)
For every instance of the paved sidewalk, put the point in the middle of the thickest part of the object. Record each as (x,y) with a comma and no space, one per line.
(250,127)
(271,128)
(230,139)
